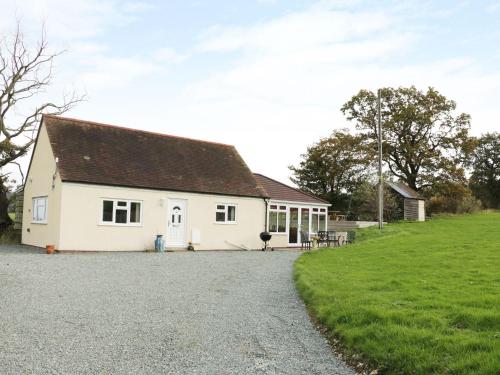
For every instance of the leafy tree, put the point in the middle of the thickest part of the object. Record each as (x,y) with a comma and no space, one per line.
(365,203)
(333,167)
(452,197)
(485,177)
(24,73)
(424,140)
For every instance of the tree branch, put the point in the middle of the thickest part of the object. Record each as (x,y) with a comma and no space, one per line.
(23,75)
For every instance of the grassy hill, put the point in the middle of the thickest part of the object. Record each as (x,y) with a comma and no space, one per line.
(420,298)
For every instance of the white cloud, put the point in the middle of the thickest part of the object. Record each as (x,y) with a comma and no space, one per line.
(169,55)
(69,20)
(282,83)
(293,74)
(107,73)
(78,27)
(293,32)
(132,7)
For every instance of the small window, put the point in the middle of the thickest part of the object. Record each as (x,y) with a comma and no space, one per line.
(107,211)
(176,215)
(135,212)
(121,212)
(39,210)
(282,222)
(273,221)
(277,219)
(225,213)
(318,222)
(231,213)
(120,216)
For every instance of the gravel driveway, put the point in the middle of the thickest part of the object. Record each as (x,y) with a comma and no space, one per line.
(146,313)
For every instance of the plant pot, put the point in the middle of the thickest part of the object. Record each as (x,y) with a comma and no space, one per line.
(50,249)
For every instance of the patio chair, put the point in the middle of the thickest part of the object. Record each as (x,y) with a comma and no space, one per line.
(333,238)
(351,236)
(323,238)
(305,241)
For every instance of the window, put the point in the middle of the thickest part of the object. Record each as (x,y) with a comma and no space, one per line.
(304,220)
(225,213)
(176,217)
(39,210)
(277,219)
(318,220)
(122,212)
(314,223)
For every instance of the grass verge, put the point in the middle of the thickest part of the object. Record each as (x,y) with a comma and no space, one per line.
(421,298)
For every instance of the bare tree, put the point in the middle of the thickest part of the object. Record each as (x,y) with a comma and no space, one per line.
(24,73)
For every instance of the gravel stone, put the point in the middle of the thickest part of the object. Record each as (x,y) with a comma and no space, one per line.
(148,313)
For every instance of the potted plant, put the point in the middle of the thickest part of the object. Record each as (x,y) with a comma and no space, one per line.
(190,247)
(314,240)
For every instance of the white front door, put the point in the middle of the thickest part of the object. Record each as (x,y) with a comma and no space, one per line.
(176,221)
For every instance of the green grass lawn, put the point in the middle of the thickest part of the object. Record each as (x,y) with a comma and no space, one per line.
(421,298)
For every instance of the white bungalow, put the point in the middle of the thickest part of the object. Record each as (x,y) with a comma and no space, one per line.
(92,186)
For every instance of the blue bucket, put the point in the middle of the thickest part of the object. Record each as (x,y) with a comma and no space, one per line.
(159,243)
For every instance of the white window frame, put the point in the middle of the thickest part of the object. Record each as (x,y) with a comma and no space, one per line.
(278,210)
(320,211)
(225,210)
(34,210)
(127,208)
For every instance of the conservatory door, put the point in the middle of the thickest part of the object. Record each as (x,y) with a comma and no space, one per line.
(293,226)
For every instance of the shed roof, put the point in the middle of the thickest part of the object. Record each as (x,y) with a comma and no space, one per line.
(90,152)
(279,191)
(404,190)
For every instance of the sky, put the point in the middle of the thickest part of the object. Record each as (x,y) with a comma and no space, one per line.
(268,76)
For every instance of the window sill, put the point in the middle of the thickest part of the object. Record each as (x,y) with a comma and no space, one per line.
(226,222)
(278,233)
(119,225)
(39,222)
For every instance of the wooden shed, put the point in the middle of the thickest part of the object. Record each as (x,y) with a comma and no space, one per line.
(413,204)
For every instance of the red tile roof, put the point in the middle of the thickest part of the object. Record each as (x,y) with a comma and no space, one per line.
(102,154)
(279,191)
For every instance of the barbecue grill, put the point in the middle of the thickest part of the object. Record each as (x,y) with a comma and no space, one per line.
(265,237)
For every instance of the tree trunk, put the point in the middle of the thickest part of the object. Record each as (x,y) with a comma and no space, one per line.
(412,182)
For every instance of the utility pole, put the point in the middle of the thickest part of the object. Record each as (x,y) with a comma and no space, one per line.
(380,178)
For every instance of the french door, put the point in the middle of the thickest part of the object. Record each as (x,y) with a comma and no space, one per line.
(293,226)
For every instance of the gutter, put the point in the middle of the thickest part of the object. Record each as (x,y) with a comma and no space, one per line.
(266,200)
